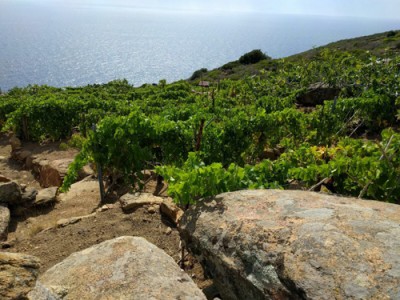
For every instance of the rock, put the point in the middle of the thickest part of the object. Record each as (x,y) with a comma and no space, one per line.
(21,155)
(148,175)
(85,172)
(15,143)
(105,207)
(170,210)
(4,179)
(29,162)
(23,187)
(130,202)
(46,196)
(73,220)
(29,195)
(268,244)
(7,244)
(52,172)
(152,209)
(168,231)
(122,268)
(10,193)
(18,274)
(317,93)
(83,198)
(4,222)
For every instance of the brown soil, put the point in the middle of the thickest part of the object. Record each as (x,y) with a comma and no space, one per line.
(37,233)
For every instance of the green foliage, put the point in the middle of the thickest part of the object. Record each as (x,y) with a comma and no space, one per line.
(198,74)
(355,167)
(232,126)
(253,57)
(76,141)
(195,180)
(230,65)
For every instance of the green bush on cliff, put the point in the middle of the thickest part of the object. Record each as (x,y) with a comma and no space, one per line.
(253,57)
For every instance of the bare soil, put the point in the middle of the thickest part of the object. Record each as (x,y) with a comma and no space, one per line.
(37,233)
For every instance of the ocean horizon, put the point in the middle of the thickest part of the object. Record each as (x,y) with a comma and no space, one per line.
(76,45)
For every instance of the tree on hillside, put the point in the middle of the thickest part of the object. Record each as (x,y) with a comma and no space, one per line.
(253,57)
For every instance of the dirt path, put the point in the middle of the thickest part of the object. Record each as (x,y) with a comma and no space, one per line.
(37,233)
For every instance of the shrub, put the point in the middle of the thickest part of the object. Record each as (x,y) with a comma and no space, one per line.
(253,57)
(230,65)
(197,74)
(391,34)
(76,141)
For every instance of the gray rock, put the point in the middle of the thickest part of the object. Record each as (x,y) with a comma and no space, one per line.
(4,222)
(122,268)
(130,202)
(46,196)
(18,274)
(10,192)
(269,244)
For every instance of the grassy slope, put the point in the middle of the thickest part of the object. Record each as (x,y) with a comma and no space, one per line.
(379,44)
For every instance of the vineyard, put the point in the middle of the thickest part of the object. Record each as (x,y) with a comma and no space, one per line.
(329,123)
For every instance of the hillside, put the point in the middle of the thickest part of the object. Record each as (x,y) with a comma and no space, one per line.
(380,44)
(320,121)
(115,157)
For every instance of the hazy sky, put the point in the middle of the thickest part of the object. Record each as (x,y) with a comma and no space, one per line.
(360,8)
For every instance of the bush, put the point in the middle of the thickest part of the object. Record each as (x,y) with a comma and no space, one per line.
(253,57)
(230,65)
(391,34)
(197,74)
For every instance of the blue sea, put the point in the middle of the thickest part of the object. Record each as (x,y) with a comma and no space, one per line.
(73,45)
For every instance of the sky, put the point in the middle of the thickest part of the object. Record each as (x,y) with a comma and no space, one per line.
(386,9)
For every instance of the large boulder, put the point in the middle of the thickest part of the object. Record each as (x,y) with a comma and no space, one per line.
(10,192)
(122,268)
(18,274)
(269,244)
(4,222)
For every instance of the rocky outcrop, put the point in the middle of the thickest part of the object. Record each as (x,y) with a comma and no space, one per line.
(18,274)
(268,244)
(10,193)
(130,202)
(123,268)
(4,222)
(316,94)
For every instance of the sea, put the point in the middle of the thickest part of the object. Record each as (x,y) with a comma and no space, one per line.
(74,45)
